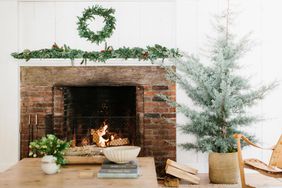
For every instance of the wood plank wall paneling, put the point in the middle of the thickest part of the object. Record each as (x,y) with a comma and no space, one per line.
(137,24)
(174,23)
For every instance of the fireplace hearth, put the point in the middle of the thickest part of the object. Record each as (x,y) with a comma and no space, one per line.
(70,102)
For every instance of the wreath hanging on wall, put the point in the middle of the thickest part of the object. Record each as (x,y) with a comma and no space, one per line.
(89,15)
(149,53)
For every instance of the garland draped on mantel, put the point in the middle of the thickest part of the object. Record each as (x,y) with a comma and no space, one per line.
(65,52)
(149,53)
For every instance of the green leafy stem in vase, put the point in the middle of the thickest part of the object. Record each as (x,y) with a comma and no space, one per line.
(49,145)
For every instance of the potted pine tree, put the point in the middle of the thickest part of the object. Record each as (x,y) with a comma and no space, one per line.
(221,97)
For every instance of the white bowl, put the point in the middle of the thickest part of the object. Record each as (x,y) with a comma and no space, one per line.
(121,154)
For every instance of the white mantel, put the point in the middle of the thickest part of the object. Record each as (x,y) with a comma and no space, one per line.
(77,62)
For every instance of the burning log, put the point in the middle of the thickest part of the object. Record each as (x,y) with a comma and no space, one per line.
(119,142)
(85,141)
(98,135)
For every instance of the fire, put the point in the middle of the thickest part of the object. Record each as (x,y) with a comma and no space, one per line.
(100,141)
(98,135)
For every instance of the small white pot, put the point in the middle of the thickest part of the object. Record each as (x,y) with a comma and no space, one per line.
(49,165)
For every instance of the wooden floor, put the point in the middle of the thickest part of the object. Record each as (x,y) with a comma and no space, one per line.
(256,180)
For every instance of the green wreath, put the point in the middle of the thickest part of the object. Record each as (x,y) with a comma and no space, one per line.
(88,14)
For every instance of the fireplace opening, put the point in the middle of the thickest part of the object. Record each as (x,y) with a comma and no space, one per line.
(81,113)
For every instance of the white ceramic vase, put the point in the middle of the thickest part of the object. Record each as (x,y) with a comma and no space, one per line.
(49,165)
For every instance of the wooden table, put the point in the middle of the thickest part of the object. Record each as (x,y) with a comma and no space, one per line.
(27,174)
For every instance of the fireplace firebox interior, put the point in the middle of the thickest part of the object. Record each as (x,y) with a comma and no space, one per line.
(86,109)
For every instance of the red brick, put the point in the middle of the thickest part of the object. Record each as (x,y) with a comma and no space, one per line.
(172,109)
(168,115)
(37,98)
(160,87)
(172,87)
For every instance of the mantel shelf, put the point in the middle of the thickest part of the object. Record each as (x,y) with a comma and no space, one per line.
(77,62)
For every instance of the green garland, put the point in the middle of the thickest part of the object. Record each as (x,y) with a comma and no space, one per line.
(89,14)
(65,52)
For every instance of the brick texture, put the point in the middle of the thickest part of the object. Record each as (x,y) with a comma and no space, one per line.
(41,96)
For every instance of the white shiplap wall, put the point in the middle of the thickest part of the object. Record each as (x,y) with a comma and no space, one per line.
(138,24)
(173,23)
(9,95)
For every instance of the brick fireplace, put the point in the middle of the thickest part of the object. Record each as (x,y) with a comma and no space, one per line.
(124,95)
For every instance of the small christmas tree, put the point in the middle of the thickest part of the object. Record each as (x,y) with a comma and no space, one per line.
(220,94)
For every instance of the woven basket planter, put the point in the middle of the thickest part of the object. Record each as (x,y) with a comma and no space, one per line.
(223,168)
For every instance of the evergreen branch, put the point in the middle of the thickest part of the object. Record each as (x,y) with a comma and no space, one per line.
(189,146)
(242,120)
(252,97)
(65,52)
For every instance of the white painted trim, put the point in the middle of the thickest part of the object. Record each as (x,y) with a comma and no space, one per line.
(6,166)
(3,167)
(18,84)
(174,27)
(98,1)
(77,62)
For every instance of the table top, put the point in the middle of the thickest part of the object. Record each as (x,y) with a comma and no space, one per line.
(27,173)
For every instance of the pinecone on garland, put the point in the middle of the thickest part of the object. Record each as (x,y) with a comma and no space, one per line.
(55,46)
(145,55)
(107,49)
(110,48)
